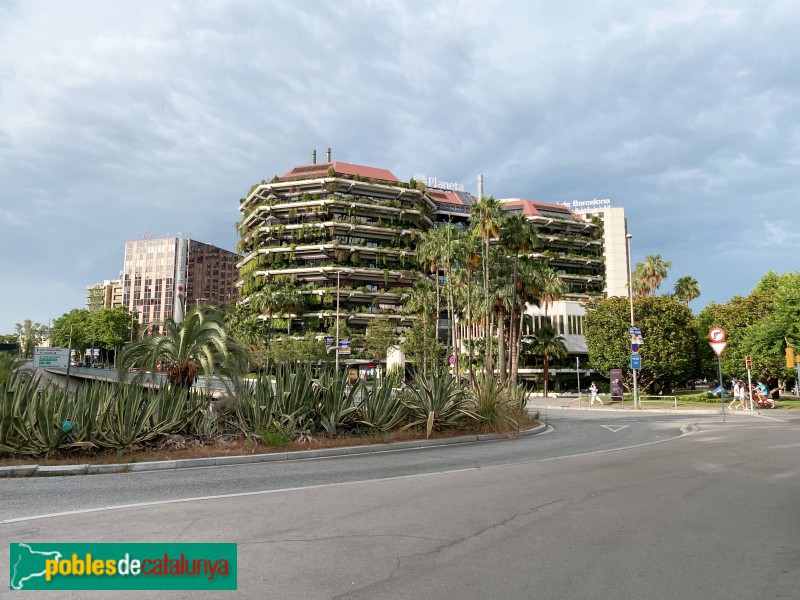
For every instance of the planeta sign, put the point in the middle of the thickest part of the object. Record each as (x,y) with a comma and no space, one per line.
(433,182)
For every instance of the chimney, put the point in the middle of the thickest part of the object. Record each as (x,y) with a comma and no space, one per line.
(328,155)
(313,157)
(480,187)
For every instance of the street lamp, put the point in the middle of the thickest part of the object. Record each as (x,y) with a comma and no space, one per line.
(630,299)
(338,276)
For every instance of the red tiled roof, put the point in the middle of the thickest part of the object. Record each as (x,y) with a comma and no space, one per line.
(444,196)
(341,168)
(533,208)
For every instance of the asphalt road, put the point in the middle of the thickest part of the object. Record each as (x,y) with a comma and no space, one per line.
(713,514)
(588,432)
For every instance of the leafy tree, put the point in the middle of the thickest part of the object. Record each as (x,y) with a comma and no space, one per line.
(737,317)
(9,338)
(198,345)
(29,335)
(379,337)
(686,289)
(76,323)
(669,353)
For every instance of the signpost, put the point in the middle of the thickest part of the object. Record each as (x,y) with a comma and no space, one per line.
(748,363)
(44,358)
(636,359)
(718,336)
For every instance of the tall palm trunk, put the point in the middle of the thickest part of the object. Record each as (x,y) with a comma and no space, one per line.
(546,372)
(469,327)
(518,348)
(452,325)
(511,320)
(501,345)
(488,370)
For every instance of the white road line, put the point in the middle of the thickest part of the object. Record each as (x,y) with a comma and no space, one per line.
(685,431)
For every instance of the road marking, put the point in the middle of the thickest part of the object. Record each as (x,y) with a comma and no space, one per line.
(687,430)
(615,428)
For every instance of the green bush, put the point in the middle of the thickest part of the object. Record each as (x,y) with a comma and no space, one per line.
(277,434)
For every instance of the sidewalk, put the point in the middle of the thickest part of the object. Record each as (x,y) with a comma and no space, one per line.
(574,403)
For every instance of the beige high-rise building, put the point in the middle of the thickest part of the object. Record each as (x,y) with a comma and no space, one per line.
(153,278)
(615,251)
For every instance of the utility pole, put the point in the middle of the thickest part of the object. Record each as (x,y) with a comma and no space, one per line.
(630,298)
(338,275)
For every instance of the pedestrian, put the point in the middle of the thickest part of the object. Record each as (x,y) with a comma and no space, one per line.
(737,388)
(743,395)
(595,395)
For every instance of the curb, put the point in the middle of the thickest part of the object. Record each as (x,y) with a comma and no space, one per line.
(651,411)
(193,463)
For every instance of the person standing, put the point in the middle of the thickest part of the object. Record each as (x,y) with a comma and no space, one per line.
(595,395)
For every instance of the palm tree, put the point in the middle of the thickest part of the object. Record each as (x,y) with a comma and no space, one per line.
(429,254)
(552,288)
(486,218)
(653,272)
(549,345)
(687,289)
(420,301)
(518,236)
(469,255)
(198,345)
(639,281)
(529,289)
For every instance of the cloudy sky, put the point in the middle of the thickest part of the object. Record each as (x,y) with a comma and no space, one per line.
(124,119)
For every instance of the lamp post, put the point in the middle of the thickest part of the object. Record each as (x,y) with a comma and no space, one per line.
(630,299)
(578,373)
(338,276)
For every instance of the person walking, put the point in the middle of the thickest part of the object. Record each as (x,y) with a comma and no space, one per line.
(743,395)
(737,389)
(595,395)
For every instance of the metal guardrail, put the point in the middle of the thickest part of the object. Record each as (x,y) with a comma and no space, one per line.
(658,399)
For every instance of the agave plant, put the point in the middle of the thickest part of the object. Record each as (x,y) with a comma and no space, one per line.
(34,421)
(381,407)
(336,400)
(437,401)
(256,405)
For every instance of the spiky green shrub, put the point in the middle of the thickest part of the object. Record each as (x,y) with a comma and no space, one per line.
(256,405)
(336,400)
(381,406)
(32,422)
(437,401)
(496,405)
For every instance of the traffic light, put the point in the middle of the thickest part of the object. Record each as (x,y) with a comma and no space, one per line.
(790,362)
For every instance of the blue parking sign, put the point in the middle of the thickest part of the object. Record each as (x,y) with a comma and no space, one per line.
(636,361)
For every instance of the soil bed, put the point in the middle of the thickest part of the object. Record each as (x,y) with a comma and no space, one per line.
(238,446)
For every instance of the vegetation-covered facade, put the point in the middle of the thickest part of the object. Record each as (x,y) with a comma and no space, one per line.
(332,221)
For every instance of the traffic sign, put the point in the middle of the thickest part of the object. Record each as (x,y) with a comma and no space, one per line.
(719,347)
(636,361)
(634,348)
(452,361)
(717,334)
(748,363)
